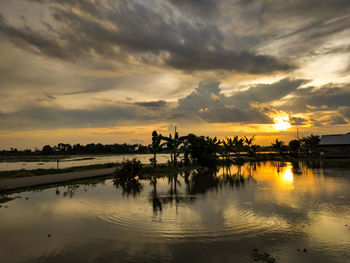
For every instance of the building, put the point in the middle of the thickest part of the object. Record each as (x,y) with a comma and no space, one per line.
(335,146)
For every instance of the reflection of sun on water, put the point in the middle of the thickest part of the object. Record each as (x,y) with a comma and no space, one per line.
(288,175)
(286,178)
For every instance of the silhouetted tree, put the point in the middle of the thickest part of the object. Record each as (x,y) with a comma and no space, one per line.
(47,149)
(174,144)
(278,146)
(294,147)
(309,145)
(203,151)
(155,147)
(251,147)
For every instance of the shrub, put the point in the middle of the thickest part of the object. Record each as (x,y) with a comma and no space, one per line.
(129,168)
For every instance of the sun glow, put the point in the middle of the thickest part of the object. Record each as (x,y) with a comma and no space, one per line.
(281,123)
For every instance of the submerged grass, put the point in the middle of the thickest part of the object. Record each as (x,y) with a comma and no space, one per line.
(263,256)
(38,172)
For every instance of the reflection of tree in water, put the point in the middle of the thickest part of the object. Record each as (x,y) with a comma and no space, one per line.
(197,181)
(70,190)
(173,181)
(279,165)
(169,197)
(128,185)
(232,179)
(201,180)
(156,203)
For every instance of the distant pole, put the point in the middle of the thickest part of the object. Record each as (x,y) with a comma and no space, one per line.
(298,134)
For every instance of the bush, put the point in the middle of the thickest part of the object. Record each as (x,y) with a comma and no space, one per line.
(129,168)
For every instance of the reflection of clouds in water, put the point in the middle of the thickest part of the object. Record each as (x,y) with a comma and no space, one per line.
(243,219)
(329,228)
(264,205)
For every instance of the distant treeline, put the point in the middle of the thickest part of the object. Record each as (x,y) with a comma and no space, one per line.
(91,148)
(175,145)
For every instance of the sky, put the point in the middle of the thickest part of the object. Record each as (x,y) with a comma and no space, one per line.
(112,71)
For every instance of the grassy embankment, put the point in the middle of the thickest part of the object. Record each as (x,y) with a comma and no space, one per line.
(38,172)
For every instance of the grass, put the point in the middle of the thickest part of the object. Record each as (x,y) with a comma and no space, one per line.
(38,172)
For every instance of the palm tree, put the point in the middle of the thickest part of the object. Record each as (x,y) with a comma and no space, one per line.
(237,145)
(251,147)
(278,146)
(226,149)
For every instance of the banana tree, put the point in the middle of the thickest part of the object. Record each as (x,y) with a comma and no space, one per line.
(174,144)
(155,147)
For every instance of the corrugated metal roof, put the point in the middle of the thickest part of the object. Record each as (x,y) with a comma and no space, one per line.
(336,139)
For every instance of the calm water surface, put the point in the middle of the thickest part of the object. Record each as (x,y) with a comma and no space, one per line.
(197,217)
(72,161)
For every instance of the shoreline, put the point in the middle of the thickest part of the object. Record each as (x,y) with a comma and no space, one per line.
(29,181)
(22,182)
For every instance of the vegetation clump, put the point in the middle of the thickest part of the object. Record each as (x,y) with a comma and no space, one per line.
(129,169)
(126,178)
(263,256)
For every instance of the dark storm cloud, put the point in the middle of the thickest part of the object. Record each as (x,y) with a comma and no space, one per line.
(144,32)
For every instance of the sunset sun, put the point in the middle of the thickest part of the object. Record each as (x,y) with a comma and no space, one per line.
(281,123)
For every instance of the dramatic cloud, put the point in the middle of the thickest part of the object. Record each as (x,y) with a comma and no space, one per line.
(319,99)
(264,93)
(86,63)
(209,104)
(130,29)
(52,117)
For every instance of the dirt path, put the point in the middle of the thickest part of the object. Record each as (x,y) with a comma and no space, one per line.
(22,182)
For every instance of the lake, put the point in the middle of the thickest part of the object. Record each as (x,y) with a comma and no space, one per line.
(296,212)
